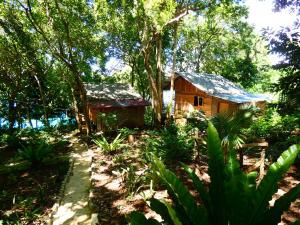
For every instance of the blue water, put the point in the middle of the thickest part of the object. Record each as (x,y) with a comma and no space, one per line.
(63,119)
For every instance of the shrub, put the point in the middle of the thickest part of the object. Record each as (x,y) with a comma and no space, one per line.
(272,125)
(171,144)
(149,116)
(109,147)
(134,180)
(36,153)
(109,120)
(126,132)
(197,119)
(231,126)
(233,197)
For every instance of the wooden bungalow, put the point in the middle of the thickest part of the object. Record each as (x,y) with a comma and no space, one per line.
(117,98)
(211,93)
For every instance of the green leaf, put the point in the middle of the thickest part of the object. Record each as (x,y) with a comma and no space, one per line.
(196,214)
(216,171)
(273,215)
(166,211)
(268,185)
(236,190)
(138,218)
(201,190)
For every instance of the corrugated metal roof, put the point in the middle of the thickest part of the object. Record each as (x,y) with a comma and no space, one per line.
(110,91)
(115,95)
(220,87)
(119,103)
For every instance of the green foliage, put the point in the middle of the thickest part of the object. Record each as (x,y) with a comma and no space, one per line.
(285,42)
(220,42)
(149,117)
(197,119)
(134,180)
(36,153)
(125,132)
(109,147)
(232,198)
(230,126)
(109,120)
(272,125)
(171,144)
(276,129)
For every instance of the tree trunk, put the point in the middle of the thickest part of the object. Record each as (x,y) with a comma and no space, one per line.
(172,78)
(159,79)
(29,117)
(132,73)
(46,119)
(76,109)
(11,113)
(83,99)
(154,82)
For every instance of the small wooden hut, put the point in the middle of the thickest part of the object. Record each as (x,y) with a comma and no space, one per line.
(117,98)
(211,93)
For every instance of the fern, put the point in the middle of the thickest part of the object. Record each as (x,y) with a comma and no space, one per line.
(35,153)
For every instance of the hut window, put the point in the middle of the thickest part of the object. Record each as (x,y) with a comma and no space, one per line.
(200,101)
(196,101)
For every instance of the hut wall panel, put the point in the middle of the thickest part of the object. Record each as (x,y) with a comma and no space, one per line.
(214,106)
(184,100)
(127,117)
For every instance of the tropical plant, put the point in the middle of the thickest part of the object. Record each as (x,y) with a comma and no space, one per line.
(109,147)
(197,119)
(230,125)
(134,180)
(109,120)
(36,153)
(171,144)
(233,196)
(273,126)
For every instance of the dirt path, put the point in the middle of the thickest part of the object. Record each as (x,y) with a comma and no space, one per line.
(74,208)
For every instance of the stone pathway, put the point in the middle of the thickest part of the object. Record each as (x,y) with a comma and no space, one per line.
(74,207)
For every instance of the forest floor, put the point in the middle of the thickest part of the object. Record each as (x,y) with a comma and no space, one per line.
(27,191)
(120,184)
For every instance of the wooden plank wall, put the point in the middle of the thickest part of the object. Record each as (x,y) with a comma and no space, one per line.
(184,100)
(127,117)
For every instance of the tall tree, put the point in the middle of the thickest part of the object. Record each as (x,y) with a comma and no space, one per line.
(220,41)
(67,29)
(286,42)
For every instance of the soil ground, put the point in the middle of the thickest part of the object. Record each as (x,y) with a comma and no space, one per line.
(112,180)
(27,193)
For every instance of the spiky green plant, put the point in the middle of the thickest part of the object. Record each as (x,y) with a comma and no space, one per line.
(109,147)
(35,153)
(232,197)
(230,125)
